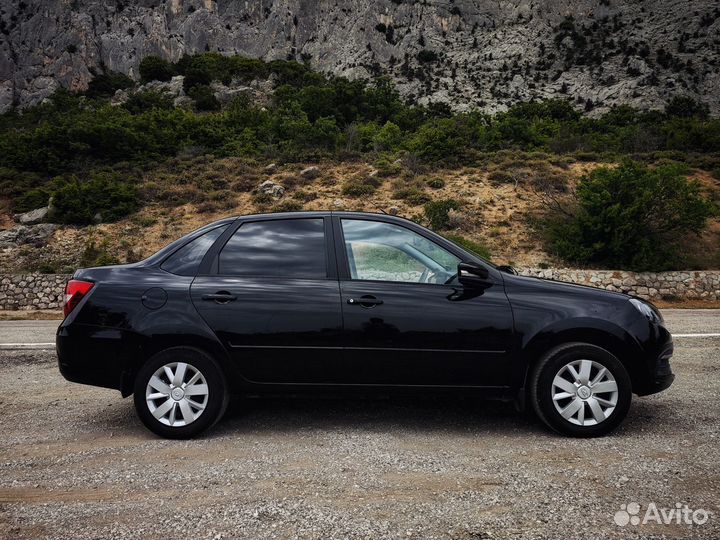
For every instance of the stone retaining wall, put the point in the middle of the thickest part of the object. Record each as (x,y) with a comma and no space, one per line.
(45,291)
(688,285)
(32,291)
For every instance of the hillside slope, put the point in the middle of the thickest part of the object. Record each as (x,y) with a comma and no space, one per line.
(470,53)
(502,206)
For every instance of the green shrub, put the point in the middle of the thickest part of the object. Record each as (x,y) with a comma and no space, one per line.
(305,196)
(15,183)
(79,202)
(261,199)
(632,217)
(204,98)
(412,194)
(387,167)
(94,255)
(442,140)
(501,177)
(202,69)
(470,245)
(426,56)
(288,206)
(436,212)
(436,183)
(106,84)
(388,138)
(199,70)
(359,188)
(154,68)
(686,107)
(46,267)
(141,102)
(32,199)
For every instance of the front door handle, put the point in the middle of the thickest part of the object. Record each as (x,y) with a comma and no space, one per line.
(365,301)
(221,297)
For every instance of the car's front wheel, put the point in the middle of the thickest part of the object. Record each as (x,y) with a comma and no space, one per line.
(581,390)
(180,392)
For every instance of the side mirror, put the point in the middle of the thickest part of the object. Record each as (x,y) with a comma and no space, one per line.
(471,274)
(507,269)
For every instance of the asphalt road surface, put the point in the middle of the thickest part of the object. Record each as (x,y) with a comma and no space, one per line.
(76,463)
(27,334)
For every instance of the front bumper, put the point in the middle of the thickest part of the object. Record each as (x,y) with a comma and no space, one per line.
(661,376)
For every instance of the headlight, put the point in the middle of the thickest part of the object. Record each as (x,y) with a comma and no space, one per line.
(647,309)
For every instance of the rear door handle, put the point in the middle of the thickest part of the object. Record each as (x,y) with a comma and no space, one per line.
(365,301)
(221,297)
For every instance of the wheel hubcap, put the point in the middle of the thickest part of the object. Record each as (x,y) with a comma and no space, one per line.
(177,394)
(584,392)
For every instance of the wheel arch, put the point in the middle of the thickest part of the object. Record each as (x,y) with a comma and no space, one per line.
(601,334)
(161,342)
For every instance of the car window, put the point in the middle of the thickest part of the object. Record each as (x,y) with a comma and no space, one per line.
(186,260)
(281,248)
(379,251)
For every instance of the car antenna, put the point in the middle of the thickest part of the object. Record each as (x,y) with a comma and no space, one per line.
(381,210)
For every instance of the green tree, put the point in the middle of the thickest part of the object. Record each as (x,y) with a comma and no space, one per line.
(107,83)
(204,98)
(154,68)
(388,138)
(632,217)
(144,101)
(382,101)
(444,139)
(686,107)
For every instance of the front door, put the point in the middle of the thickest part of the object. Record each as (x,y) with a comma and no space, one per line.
(274,300)
(407,321)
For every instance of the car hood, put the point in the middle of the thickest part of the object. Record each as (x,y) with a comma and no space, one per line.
(551,285)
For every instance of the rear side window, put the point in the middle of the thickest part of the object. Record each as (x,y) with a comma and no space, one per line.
(186,260)
(292,248)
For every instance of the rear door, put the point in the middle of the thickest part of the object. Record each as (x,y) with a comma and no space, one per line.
(272,298)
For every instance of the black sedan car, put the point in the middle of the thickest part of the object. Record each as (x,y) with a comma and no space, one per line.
(344,301)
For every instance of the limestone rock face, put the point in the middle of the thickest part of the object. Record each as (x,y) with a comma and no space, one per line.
(475,54)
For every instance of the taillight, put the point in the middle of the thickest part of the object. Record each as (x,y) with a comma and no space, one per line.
(75,290)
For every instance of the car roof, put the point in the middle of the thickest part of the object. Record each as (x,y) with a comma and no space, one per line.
(327,213)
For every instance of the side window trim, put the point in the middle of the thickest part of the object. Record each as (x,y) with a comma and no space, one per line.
(211,261)
(209,264)
(331,262)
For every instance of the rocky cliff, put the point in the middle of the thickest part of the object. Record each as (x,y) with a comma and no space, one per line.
(469,53)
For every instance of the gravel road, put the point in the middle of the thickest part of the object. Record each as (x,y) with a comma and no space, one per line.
(75,463)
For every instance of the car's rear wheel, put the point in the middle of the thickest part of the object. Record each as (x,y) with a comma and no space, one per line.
(581,390)
(180,392)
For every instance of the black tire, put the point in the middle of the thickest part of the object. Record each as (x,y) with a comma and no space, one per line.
(217,394)
(541,390)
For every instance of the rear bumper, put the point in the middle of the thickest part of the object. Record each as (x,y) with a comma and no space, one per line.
(93,355)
